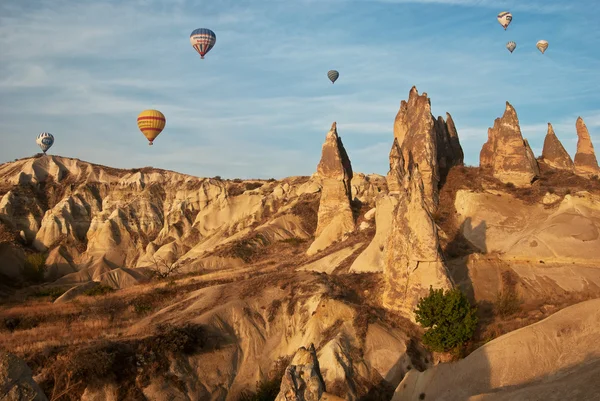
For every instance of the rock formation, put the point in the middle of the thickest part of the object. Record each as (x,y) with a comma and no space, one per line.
(586,163)
(16,383)
(531,158)
(554,153)
(457,152)
(396,174)
(335,217)
(372,259)
(415,131)
(507,153)
(413,259)
(302,380)
(449,151)
(430,143)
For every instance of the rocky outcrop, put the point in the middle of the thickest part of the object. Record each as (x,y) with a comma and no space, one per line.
(396,174)
(335,217)
(449,151)
(507,154)
(586,163)
(554,153)
(302,380)
(531,158)
(372,259)
(16,382)
(430,143)
(414,261)
(457,151)
(415,131)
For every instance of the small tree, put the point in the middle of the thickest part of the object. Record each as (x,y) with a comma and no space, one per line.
(163,269)
(449,318)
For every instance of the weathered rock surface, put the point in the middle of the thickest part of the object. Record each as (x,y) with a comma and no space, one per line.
(372,259)
(91,219)
(415,132)
(449,151)
(554,359)
(507,154)
(16,382)
(413,259)
(586,163)
(302,380)
(500,223)
(554,153)
(395,176)
(335,217)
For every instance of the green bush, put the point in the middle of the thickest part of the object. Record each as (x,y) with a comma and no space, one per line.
(449,318)
(34,268)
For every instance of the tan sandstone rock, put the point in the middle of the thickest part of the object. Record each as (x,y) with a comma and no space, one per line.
(507,154)
(396,174)
(413,259)
(586,163)
(335,217)
(302,380)
(554,153)
(415,131)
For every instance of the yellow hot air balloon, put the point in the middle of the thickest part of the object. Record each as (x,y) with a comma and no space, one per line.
(151,123)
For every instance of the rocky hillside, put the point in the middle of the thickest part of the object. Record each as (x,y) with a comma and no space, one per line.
(202,288)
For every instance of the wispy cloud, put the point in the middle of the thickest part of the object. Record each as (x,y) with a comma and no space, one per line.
(260,103)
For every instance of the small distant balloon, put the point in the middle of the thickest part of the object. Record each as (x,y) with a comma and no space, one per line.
(45,140)
(203,39)
(504,18)
(151,123)
(333,75)
(542,45)
(511,46)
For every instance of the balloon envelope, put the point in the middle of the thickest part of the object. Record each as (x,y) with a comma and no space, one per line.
(333,75)
(542,45)
(504,18)
(203,39)
(45,140)
(511,46)
(151,123)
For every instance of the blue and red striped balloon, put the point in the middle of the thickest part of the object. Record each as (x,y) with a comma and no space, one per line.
(203,39)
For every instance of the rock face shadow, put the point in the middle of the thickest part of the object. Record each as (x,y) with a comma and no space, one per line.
(458,250)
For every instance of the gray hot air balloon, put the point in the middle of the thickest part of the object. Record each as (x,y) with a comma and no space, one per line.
(333,75)
(511,46)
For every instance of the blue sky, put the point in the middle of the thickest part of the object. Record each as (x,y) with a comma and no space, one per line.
(260,104)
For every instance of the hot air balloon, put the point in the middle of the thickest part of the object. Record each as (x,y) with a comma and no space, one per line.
(511,46)
(203,39)
(151,123)
(45,140)
(542,45)
(333,75)
(504,18)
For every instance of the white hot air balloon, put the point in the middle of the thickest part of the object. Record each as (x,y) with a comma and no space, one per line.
(511,46)
(542,45)
(45,140)
(504,18)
